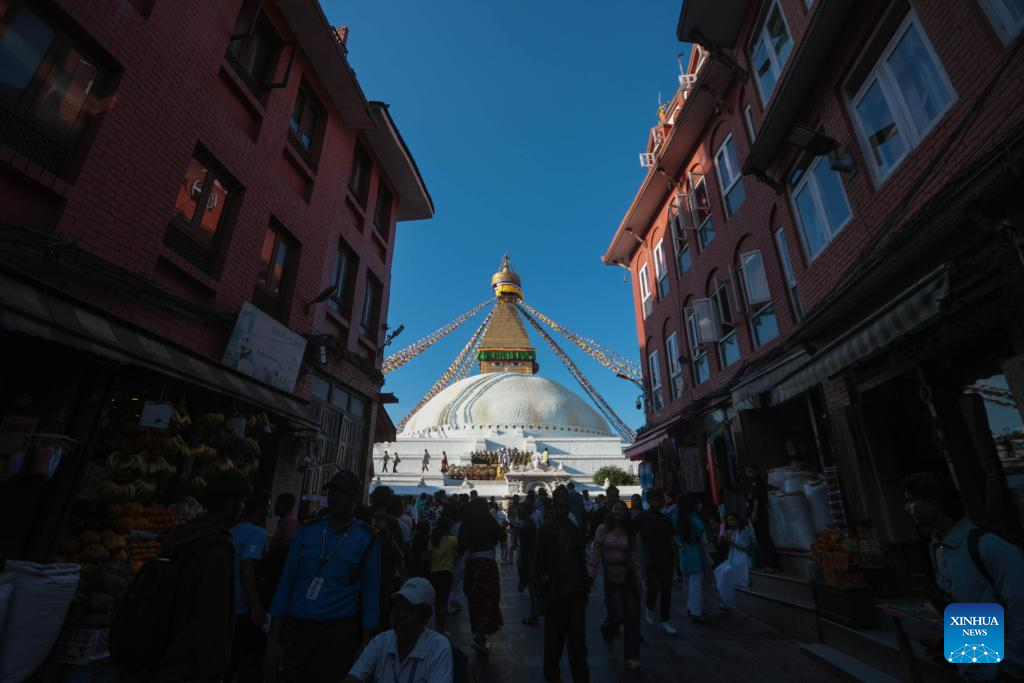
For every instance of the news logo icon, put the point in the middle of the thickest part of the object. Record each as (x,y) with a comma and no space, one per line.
(973,633)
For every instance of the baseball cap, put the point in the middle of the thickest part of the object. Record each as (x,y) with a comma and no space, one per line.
(345,479)
(417,591)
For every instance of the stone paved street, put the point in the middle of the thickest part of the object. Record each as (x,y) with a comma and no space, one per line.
(733,648)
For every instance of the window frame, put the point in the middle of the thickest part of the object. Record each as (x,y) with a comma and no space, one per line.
(726,337)
(386,208)
(214,174)
(735,180)
(762,35)
(311,106)
(805,182)
(698,352)
(360,174)
(370,329)
(341,299)
(264,297)
(748,119)
(654,371)
(705,229)
(786,263)
(240,49)
(1002,21)
(673,352)
(893,96)
(661,270)
(756,310)
(646,296)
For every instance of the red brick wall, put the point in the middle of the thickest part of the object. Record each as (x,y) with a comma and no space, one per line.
(173,92)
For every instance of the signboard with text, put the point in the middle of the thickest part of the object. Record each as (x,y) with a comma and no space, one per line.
(264,349)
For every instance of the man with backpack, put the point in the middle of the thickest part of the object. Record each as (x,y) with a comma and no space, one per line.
(971,566)
(250,537)
(176,622)
(328,598)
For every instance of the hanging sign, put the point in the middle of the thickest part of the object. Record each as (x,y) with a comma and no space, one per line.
(156,414)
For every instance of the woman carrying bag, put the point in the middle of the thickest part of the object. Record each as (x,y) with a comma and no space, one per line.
(615,549)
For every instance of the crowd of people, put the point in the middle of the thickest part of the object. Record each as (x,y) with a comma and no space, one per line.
(352,592)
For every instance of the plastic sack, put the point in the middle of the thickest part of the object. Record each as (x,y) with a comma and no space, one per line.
(799,523)
(776,522)
(38,604)
(794,481)
(777,476)
(817,496)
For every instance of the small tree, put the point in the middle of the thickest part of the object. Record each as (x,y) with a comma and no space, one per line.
(616,476)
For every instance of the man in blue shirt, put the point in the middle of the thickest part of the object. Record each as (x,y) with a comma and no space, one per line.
(328,599)
(250,538)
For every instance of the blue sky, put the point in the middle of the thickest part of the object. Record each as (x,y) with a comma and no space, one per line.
(526,119)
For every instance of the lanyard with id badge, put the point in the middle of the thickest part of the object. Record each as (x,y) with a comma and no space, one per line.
(316,584)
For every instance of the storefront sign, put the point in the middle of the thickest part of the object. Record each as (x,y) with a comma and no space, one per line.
(265,349)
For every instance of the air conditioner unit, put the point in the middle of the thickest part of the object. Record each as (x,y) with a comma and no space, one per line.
(686,81)
(647,159)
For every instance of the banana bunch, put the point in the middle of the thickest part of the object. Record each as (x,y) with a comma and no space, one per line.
(259,422)
(198,484)
(222,463)
(180,418)
(202,452)
(175,448)
(212,422)
(122,463)
(247,468)
(250,449)
(112,492)
(156,467)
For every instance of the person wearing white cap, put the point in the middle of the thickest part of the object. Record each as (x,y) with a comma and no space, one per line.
(409,651)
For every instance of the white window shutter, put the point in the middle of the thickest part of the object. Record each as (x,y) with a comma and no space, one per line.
(709,327)
(755,279)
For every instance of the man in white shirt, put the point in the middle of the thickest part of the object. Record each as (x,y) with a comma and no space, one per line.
(409,652)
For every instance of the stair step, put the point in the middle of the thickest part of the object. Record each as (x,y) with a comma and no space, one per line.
(845,666)
(792,616)
(784,584)
(880,647)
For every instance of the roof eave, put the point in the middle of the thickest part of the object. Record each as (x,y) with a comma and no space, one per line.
(711,23)
(388,145)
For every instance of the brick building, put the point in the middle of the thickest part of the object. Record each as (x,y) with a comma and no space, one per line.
(857,308)
(174,177)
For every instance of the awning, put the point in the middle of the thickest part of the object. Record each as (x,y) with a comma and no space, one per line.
(902,315)
(384,428)
(653,438)
(764,379)
(27,309)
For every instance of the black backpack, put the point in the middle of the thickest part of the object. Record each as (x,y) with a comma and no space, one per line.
(152,612)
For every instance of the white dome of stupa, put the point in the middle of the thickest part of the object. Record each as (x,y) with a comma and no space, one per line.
(507,401)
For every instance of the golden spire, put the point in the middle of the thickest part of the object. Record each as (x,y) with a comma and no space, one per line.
(506,283)
(506,345)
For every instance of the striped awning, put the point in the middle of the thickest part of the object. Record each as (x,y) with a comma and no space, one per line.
(30,310)
(900,316)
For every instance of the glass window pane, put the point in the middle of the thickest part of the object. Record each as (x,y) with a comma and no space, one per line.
(189,191)
(730,350)
(22,48)
(685,261)
(765,326)
(764,70)
(810,221)
(730,154)
(339,397)
(67,87)
(319,388)
(701,203)
(735,198)
(920,84)
(357,406)
(1016,10)
(833,197)
(755,280)
(266,254)
(339,278)
(787,265)
(779,35)
(297,110)
(277,274)
(706,233)
(884,137)
(701,369)
(214,207)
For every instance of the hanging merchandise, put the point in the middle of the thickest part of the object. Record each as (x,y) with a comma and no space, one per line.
(795,509)
(835,498)
(712,477)
(816,493)
(693,470)
(777,521)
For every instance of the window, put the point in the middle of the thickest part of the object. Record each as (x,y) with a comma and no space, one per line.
(683,259)
(654,366)
(769,51)
(761,315)
(47,83)
(382,214)
(698,354)
(645,291)
(728,170)
(1007,16)
(254,49)
(278,257)
(370,320)
(902,98)
(661,269)
(343,279)
(203,198)
(308,119)
(787,270)
(359,181)
(748,118)
(675,366)
(702,210)
(821,206)
(728,344)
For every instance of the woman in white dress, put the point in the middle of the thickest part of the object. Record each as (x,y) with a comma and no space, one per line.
(735,571)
